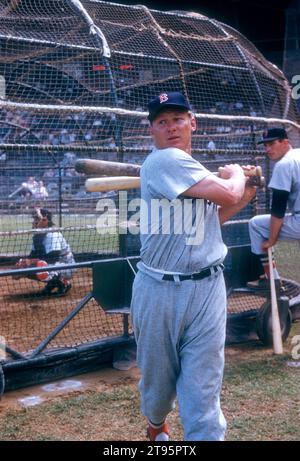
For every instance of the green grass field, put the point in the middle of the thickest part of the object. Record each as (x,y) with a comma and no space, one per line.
(86,239)
(287,255)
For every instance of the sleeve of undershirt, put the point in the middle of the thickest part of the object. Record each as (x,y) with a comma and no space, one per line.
(279,203)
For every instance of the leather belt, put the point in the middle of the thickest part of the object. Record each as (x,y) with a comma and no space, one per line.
(196,276)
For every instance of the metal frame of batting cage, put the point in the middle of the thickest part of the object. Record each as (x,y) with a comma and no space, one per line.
(39,366)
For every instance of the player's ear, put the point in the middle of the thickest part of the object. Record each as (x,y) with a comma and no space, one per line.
(193,123)
(286,142)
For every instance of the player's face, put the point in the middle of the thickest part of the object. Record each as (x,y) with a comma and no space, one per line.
(275,150)
(40,223)
(173,128)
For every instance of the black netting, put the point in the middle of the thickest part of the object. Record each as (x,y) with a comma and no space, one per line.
(75,80)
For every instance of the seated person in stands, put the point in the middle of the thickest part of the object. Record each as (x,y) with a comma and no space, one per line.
(48,248)
(50,173)
(29,187)
(40,192)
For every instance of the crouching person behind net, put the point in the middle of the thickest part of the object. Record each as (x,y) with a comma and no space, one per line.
(49,248)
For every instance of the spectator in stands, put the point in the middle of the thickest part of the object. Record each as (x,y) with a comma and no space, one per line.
(54,138)
(40,192)
(211,145)
(28,187)
(69,159)
(50,173)
(71,172)
(238,106)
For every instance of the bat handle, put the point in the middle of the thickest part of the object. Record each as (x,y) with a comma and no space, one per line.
(250,170)
(254,174)
(254,171)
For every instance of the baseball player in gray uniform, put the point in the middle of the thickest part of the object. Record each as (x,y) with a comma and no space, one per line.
(266,229)
(179,300)
(49,248)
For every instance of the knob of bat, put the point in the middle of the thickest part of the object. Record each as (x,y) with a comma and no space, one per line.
(259,171)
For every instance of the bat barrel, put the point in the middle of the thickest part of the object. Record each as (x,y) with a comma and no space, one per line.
(112,183)
(105,168)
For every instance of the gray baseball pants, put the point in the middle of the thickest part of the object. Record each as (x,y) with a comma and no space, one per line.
(259,228)
(180,335)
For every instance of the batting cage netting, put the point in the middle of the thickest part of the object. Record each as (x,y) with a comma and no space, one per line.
(75,80)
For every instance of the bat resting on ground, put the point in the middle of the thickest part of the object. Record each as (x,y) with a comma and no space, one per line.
(276,328)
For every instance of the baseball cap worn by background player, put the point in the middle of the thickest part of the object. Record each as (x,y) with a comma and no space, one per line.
(273,134)
(170,100)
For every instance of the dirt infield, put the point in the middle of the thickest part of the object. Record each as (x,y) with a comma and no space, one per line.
(27,318)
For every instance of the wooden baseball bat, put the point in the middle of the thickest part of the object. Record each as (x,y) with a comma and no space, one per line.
(112,183)
(276,328)
(132,182)
(105,168)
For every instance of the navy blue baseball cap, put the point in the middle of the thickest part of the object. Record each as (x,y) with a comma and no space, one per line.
(167,100)
(273,134)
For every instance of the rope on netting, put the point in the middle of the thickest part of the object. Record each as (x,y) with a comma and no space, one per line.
(2,381)
(126,112)
(2,355)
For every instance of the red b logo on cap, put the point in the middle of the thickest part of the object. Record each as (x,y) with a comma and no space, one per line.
(163,98)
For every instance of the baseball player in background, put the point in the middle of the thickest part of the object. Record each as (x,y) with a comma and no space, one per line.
(179,300)
(49,248)
(266,229)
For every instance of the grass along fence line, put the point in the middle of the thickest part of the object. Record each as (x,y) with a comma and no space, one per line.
(85,239)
